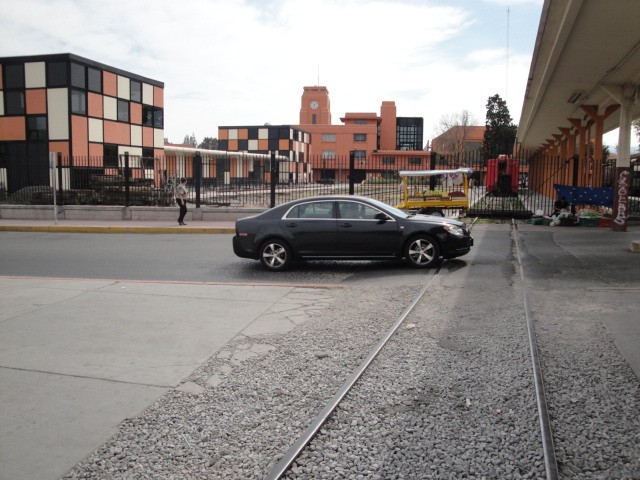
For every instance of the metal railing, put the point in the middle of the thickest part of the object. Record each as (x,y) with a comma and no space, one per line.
(510,188)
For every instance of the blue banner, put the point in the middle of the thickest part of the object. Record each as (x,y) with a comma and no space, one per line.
(585,195)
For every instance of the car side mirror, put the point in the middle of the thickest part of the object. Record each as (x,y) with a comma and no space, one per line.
(381,217)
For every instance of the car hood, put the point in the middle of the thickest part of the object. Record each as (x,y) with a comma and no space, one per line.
(437,219)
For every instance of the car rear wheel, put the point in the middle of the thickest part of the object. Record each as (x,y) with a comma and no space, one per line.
(275,255)
(421,251)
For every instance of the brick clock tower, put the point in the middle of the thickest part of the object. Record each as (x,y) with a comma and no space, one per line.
(314,107)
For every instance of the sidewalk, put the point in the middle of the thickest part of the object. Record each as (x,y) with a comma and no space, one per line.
(115,226)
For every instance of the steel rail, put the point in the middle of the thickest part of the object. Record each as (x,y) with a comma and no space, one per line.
(310,432)
(550,461)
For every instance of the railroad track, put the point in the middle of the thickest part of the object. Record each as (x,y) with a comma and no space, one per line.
(283,466)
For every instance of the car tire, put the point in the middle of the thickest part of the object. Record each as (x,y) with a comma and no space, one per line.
(275,255)
(421,251)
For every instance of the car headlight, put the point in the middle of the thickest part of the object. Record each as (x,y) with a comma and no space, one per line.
(454,230)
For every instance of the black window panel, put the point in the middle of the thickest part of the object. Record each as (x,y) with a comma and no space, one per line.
(147,116)
(136,91)
(78,102)
(223,144)
(14,103)
(158,118)
(243,144)
(284,132)
(273,133)
(37,127)
(57,74)
(123,111)
(94,77)
(273,144)
(78,76)
(111,156)
(253,133)
(13,76)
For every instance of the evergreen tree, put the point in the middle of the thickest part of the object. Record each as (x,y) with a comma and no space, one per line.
(209,143)
(190,140)
(500,132)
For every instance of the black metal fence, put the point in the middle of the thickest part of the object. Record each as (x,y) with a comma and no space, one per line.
(505,187)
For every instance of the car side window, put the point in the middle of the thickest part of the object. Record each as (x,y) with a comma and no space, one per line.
(312,210)
(357,211)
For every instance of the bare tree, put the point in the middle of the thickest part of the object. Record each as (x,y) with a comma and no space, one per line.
(453,131)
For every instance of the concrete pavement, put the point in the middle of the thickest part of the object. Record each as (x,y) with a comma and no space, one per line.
(77,357)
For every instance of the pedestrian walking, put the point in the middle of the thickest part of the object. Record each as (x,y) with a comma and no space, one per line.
(181,199)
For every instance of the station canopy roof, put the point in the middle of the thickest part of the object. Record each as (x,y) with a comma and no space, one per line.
(585,49)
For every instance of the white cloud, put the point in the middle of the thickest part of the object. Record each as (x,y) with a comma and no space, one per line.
(244,62)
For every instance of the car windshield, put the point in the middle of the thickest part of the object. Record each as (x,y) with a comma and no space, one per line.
(388,208)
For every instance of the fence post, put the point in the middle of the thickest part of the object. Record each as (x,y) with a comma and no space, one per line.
(60,186)
(197,175)
(274,178)
(352,171)
(126,179)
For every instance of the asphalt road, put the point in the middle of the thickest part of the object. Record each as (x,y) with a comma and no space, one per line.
(178,258)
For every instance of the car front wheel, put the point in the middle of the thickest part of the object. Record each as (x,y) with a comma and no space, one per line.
(421,251)
(275,255)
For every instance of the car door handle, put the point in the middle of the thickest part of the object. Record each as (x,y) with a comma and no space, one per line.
(346,225)
(292,224)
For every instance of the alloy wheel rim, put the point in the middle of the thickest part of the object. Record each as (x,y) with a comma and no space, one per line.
(275,255)
(421,252)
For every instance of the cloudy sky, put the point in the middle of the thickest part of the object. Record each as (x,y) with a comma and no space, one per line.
(245,62)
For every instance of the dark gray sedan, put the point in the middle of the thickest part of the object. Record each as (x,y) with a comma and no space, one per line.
(347,228)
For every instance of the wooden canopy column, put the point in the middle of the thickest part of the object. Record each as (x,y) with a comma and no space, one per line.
(583,173)
(598,154)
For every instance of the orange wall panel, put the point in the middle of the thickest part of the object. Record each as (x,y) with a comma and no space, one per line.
(136,113)
(158,97)
(116,132)
(62,148)
(223,134)
(233,145)
(147,137)
(13,128)
(80,136)
(110,84)
(263,144)
(283,144)
(36,101)
(95,103)
(96,150)
(243,134)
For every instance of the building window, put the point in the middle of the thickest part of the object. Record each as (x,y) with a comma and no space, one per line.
(158,118)
(123,111)
(328,137)
(136,91)
(328,154)
(78,102)
(359,137)
(111,156)
(37,127)
(95,80)
(360,154)
(415,161)
(388,160)
(314,119)
(360,122)
(152,116)
(14,103)
(57,74)
(78,76)
(13,76)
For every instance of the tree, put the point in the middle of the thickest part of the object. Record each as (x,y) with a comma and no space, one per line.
(453,131)
(209,143)
(500,132)
(190,140)
(636,128)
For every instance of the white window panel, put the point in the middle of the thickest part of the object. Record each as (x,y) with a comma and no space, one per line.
(35,75)
(58,113)
(96,130)
(110,108)
(124,88)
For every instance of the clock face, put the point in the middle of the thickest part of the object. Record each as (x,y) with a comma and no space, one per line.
(314,104)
